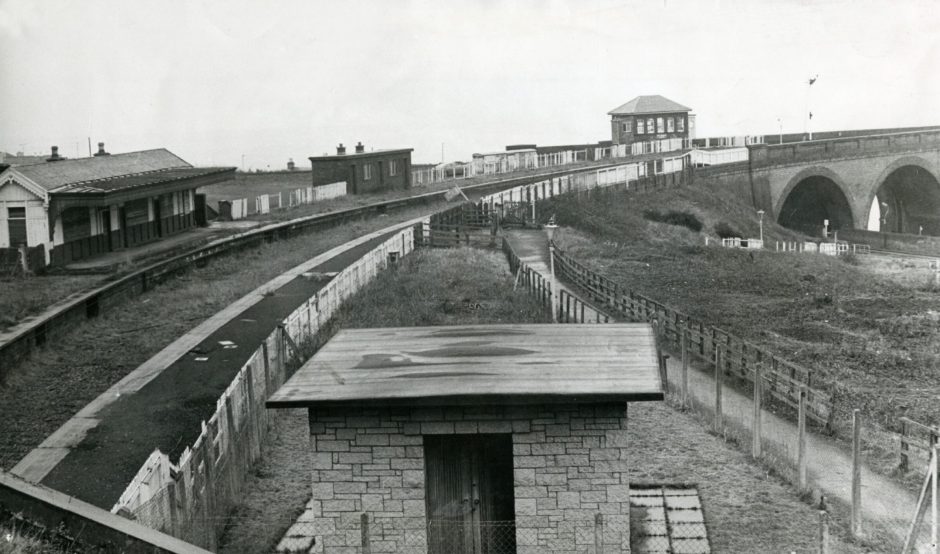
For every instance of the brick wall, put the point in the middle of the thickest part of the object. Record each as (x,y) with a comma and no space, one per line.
(570,464)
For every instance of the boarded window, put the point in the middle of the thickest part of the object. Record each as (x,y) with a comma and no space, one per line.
(166,205)
(16,223)
(136,212)
(76,224)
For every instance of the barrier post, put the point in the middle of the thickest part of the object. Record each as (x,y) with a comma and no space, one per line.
(758,398)
(801,444)
(718,372)
(856,474)
(685,368)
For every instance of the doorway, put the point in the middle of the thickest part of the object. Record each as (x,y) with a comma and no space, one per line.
(470,501)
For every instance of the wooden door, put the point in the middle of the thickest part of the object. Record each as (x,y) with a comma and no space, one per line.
(470,503)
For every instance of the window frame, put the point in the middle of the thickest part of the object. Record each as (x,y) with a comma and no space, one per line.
(660,125)
(640,126)
(393,168)
(670,125)
(367,172)
(680,124)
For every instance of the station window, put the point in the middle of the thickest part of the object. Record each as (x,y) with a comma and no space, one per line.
(670,125)
(660,125)
(650,125)
(366,172)
(640,127)
(393,167)
(681,121)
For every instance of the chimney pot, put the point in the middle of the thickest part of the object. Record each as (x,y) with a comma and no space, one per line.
(55,155)
(360,148)
(101,151)
(340,150)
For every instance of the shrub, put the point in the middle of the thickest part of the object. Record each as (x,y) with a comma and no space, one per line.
(724,230)
(672,217)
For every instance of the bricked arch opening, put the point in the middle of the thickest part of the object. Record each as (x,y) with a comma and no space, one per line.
(813,200)
(908,199)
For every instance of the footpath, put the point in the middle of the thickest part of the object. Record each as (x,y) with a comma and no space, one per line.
(886,505)
(531,246)
(161,405)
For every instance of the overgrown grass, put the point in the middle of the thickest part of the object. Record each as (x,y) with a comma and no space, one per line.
(874,340)
(22,297)
(428,287)
(19,537)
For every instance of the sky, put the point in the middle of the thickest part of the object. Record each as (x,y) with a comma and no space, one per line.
(254,83)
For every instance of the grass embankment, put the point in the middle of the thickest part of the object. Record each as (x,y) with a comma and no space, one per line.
(54,383)
(746,509)
(19,537)
(871,330)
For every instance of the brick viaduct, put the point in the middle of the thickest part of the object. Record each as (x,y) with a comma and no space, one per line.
(802,183)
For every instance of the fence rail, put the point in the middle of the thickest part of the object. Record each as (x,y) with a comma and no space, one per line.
(784,380)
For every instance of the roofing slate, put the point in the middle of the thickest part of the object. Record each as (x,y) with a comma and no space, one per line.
(649,104)
(56,175)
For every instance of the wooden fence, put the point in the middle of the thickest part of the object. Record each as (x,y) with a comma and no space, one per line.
(262,204)
(190,499)
(782,380)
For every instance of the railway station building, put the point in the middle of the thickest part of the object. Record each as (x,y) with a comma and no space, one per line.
(479,438)
(364,172)
(648,118)
(77,208)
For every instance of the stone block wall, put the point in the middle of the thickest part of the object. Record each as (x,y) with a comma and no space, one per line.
(570,464)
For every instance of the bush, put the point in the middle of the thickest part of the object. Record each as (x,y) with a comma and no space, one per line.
(724,230)
(672,217)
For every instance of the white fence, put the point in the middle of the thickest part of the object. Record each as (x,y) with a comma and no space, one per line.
(190,499)
(729,142)
(715,157)
(839,248)
(264,203)
(511,161)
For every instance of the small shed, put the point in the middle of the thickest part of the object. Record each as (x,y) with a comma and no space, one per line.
(472,439)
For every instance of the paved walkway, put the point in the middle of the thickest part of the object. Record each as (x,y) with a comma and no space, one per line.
(162,403)
(108,262)
(531,246)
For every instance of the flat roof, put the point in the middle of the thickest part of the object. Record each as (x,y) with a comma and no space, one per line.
(333,157)
(472,364)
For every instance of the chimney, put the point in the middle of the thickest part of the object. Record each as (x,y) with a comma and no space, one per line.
(340,150)
(290,164)
(101,151)
(55,155)
(360,148)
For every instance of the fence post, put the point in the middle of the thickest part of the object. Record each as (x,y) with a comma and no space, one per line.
(801,440)
(685,368)
(757,432)
(366,543)
(718,372)
(856,474)
(904,464)
(599,533)
(823,532)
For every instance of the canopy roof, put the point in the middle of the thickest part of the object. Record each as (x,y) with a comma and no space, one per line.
(471,364)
